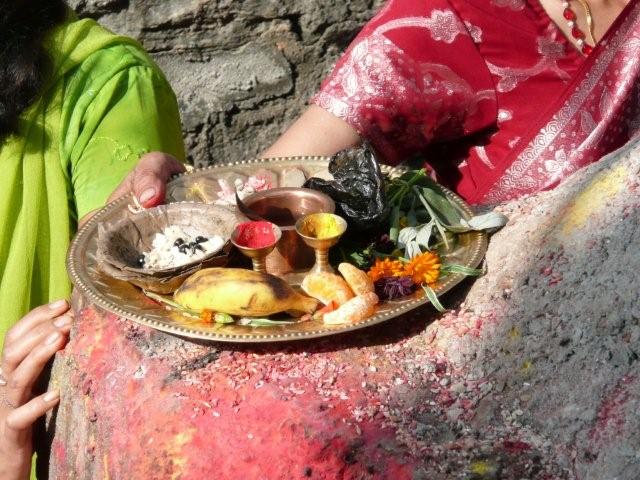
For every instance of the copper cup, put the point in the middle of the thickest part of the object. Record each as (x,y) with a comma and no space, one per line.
(284,207)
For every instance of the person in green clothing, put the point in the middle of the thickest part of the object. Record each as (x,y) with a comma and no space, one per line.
(79,107)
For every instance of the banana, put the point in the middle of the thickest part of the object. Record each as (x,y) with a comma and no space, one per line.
(237,291)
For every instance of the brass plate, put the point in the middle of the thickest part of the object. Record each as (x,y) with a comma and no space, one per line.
(125,300)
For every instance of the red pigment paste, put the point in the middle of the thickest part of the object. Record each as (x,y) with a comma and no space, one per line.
(255,234)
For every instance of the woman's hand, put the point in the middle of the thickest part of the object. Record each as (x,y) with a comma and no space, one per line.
(148,181)
(28,346)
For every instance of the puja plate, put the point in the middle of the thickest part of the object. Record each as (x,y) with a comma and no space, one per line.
(210,185)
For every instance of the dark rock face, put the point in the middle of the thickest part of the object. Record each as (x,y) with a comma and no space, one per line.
(242,69)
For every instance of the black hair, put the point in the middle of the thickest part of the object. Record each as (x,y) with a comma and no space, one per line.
(24,63)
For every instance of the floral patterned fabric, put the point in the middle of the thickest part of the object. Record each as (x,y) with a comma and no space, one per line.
(469,84)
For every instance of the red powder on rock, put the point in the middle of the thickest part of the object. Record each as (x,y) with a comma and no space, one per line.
(255,234)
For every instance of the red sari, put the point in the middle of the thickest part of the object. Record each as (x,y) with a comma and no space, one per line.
(490,92)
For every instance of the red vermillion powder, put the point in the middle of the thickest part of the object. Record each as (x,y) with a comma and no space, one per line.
(255,234)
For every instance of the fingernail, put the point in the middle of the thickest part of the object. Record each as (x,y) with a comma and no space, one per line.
(147,195)
(62,321)
(51,395)
(53,338)
(57,304)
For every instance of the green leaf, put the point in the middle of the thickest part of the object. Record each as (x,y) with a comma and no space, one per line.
(352,251)
(424,234)
(399,187)
(444,208)
(223,318)
(412,219)
(167,301)
(434,217)
(406,236)
(435,187)
(413,177)
(395,224)
(486,221)
(412,250)
(443,234)
(455,268)
(359,259)
(266,322)
(433,298)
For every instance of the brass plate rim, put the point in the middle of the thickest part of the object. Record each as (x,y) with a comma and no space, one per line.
(81,280)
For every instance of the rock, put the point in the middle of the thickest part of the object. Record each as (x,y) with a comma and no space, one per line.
(545,384)
(246,77)
(453,414)
(242,69)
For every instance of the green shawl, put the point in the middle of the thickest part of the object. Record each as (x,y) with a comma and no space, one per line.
(105,105)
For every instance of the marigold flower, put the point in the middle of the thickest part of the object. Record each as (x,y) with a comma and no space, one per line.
(207,316)
(424,268)
(386,268)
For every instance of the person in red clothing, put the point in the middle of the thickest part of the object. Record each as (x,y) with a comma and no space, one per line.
(500,97)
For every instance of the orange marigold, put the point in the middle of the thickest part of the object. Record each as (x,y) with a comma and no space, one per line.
(424,268)
(386,268)
(207,316)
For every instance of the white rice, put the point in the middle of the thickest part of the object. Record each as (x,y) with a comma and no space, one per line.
(164,253)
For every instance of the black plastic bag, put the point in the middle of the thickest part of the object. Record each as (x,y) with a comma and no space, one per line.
(357,187)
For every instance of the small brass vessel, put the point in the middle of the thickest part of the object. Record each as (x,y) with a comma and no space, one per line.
(257,255)
(320,243)
(291,258)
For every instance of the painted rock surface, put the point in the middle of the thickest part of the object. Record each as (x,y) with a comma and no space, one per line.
(533,374)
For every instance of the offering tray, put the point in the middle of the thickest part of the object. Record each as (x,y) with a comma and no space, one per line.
(127,301)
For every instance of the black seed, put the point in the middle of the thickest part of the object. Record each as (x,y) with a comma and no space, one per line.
(183,248)
(178,242)
(200,239)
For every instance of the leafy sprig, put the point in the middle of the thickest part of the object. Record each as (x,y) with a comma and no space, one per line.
(430,215)
(423,218)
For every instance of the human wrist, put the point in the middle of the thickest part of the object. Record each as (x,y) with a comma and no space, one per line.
(15,464)
(15,458)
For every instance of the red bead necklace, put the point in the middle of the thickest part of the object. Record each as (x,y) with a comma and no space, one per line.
(576,32)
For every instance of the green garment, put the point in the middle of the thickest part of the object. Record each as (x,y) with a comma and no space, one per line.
(105,105)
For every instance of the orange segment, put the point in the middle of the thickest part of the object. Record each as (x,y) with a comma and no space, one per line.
(327,287)
(356,309)
(358,280)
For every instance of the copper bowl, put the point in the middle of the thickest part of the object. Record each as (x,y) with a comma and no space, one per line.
(284,207)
